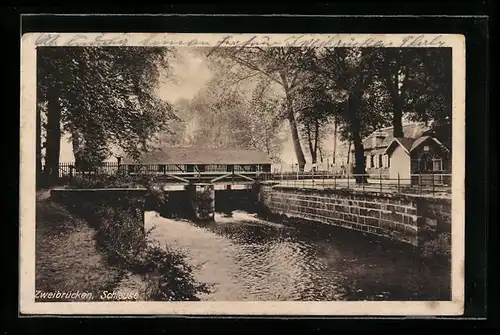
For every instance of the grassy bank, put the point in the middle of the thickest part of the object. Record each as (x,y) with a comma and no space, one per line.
(67,259)
(92,245)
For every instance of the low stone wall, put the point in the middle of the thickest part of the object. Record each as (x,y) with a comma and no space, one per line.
(398,217)
(434,225)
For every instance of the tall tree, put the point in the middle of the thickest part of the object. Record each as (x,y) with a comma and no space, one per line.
(284,67)
(394,69)
(349,78)
(237,116)
(335,137)
(417,80)
(101,96)
(315,107)
(431,95)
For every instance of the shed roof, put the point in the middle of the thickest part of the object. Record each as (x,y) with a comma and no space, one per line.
(201,156)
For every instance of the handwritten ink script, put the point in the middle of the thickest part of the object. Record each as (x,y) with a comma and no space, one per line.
(167,40)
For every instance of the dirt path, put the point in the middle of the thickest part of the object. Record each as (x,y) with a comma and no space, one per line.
(67,259)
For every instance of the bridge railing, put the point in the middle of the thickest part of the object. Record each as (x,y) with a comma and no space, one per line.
(114,173)
(428,183)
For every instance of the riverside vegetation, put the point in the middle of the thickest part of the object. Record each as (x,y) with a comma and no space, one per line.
(127,250)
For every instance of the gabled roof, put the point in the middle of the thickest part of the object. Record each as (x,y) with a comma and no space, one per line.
(405,142)
(201,156)
(410,130)
(422,139)
(410,144)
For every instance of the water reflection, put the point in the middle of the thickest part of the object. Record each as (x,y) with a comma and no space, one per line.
(251,259)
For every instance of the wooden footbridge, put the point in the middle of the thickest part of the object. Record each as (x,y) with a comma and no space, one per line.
(176,168)
(197,174)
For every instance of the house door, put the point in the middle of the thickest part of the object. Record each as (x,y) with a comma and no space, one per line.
(430,167)
(425,163)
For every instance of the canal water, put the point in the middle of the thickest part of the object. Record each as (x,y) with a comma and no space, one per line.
(246,258)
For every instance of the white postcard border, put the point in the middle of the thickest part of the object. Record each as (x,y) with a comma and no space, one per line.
(30,41)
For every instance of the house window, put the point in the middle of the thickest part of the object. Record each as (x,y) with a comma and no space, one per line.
(371,160)
(426,162)
(388,160)
(437,164)
(380,161)
(161,168)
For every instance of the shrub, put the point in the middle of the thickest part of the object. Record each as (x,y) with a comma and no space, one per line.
(155,197)
(116,180)
(204,202)
(440,246)
(173,278)
(127,246)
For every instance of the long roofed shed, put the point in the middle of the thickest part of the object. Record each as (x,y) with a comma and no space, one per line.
(201,156)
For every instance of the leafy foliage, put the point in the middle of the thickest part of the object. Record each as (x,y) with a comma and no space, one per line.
(168,274)
(204,203)
(440,246)
(228,113)
(103,96)
(282,66)
(418,82)
(315,108)
(128,247)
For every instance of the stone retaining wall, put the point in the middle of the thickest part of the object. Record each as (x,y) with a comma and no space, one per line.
(398,217)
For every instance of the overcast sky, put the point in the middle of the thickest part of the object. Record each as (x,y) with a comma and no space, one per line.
(190,73)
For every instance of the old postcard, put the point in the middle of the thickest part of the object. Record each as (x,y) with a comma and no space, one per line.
(242,174)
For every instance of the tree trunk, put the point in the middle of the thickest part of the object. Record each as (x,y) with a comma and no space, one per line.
(310,143)
(349,152)
(316,140)
(392,82)
(293,125)
(359,157)
(295,137)
(397,122)
(335,143)
(53,139)
(359,163)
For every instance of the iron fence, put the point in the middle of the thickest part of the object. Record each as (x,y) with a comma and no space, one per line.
(431,183)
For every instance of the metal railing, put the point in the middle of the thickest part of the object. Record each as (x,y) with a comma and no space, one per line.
(68,173)
(424,183)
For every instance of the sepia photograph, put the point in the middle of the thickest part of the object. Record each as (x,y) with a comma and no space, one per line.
(242,174)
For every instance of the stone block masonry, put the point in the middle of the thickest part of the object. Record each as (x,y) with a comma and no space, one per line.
(398,217)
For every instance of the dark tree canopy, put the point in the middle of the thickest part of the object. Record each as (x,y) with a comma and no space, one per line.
(101,96)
